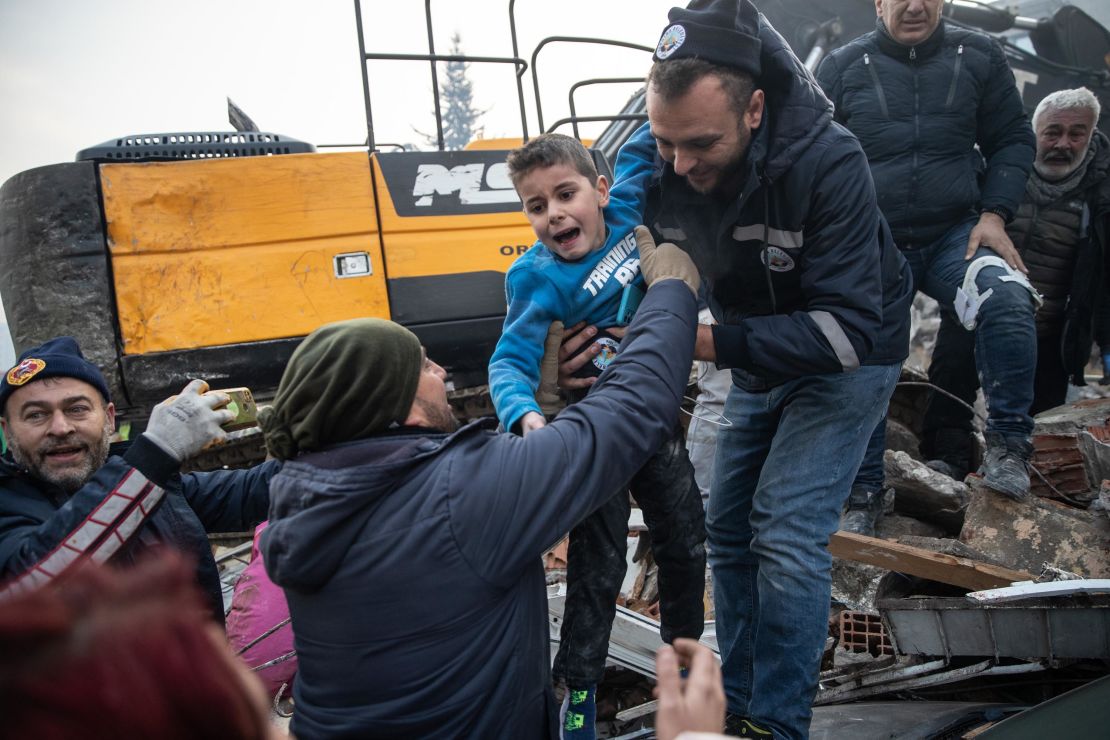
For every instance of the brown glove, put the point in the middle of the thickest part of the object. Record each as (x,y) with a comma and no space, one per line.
(665,261)
(547,394)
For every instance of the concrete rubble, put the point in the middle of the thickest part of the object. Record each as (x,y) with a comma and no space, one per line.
(946,595)
(1028,534)
(941,634)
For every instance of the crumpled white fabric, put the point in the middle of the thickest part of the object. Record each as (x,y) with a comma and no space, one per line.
(968,298)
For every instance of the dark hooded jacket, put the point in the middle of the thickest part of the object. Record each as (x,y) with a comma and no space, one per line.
(135,501)
(802,272)
(919,113)
(411,559)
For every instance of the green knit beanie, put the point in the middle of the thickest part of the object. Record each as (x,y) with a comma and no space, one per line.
(346,381)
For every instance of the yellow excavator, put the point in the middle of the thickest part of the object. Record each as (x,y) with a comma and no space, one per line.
(209,254)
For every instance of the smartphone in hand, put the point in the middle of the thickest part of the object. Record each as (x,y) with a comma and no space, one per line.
(630,301)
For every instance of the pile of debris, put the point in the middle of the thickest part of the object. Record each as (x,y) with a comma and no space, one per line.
(964,583)
(961,585)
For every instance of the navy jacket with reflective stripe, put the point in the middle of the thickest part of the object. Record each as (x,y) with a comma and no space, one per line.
(41,528)
(802,274)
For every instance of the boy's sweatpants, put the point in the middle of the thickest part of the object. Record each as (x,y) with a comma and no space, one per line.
(670,500)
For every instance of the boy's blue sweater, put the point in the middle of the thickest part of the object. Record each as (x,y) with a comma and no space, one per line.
(541,287)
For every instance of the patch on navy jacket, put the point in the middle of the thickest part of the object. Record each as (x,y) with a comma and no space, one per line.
(777,260)
(607,354)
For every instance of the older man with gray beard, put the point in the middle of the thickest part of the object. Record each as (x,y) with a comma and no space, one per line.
(1061,230)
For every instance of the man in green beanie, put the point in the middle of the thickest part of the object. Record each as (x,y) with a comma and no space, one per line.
(346,381)
(409,549)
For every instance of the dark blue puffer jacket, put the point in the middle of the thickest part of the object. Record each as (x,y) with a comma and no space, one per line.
(802,274)
(919,113)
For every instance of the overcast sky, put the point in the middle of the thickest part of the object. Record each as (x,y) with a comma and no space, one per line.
(74,74)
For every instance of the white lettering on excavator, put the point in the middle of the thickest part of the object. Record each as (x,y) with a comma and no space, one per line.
(614,265)
(466,180)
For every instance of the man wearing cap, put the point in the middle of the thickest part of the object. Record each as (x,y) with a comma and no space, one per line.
(409,549)
(775,204)
(67,495)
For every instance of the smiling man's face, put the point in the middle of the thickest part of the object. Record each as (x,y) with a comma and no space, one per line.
(59,430)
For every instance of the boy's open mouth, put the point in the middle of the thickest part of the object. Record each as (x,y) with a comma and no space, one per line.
(567,236)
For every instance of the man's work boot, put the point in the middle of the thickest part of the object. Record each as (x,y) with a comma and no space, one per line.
(1006,465)
(864,509)
(950,453)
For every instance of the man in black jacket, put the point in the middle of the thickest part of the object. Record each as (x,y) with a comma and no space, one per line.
(67,495)
(774,203)
(921,96)
(1062,231)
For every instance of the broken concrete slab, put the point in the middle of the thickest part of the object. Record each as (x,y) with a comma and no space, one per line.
(897,526)
(1028,533)
(923,493)
(856,585)
(1092,415)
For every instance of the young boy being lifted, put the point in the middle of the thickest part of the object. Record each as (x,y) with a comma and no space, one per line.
(578,271)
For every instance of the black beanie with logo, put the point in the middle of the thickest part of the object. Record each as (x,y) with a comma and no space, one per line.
(724,32)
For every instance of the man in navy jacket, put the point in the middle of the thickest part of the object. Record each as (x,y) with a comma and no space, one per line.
(409,549)
(67,495)
(774,202)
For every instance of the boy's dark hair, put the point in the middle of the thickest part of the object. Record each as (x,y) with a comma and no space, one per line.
(674,78)
(548,150)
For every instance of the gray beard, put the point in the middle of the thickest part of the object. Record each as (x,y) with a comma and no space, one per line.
(72,479)
(1072,176)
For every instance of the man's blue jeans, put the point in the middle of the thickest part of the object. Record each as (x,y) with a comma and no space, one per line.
(782,474)
(1005,338)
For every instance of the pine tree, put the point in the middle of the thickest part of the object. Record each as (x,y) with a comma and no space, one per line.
(460,117)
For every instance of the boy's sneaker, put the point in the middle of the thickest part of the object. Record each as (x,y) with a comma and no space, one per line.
(578,713)
(1006,465)
(737,726)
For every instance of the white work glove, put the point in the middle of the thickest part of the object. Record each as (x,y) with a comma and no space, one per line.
(185,424)
(665,261)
